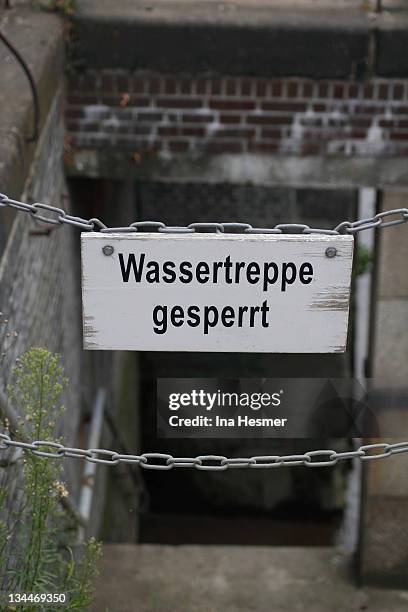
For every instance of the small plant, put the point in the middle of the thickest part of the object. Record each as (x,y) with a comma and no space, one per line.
(37,552)
(9,337)
(364,259)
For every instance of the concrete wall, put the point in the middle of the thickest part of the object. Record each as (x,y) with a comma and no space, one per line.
(39,265)
(38,290)
(384,535)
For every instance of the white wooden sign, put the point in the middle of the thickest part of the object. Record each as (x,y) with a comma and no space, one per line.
(207,292)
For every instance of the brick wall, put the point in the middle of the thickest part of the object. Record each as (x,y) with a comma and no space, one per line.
(161,114)
(39,295)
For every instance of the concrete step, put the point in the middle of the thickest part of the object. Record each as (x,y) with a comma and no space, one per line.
(150,578)
(252,37)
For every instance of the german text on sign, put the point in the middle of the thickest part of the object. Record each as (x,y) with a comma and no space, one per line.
(210,292)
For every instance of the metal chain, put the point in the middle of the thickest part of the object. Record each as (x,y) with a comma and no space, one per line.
(163,461)
(56,216)
(209,463)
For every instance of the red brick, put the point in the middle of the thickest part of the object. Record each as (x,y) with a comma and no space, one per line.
(383,90)
(370,109)
(357,134)
(215,87)
(398,92)
(246,87)
(307,89)
(230,119)
(261,88)
(230,87)
(290,107)
(166,130)
(368,91)
(263,147)
(323,90)
(236,133)
(224,147)
(233,105)
(138,84)
(320,108)
(338,91)
(273,134)
(292,89)
(170,85)
(201,86)
(398,135)
(311,121)
(402,123)
(178,146)
(178,103)
(145,116)
(196,132)
(353,90)
(276,89)
(198,118)
(269,119)
(186,86)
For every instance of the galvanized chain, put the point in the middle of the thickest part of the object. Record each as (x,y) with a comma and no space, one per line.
(209,463)
(56,216)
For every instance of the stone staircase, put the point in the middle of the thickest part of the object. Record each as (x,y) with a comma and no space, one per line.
(156,578)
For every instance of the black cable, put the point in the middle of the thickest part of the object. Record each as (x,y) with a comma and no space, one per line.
(33,87)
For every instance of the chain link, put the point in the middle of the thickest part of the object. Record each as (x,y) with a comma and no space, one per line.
(209,463)
(57,216)
(162,461)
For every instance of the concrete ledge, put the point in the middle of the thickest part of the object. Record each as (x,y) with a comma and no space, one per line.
(38,37)
(391,33)
(246,37)
(293,171)
(384,529)
(232,579)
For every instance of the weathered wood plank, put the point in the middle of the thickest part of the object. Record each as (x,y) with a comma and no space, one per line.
(209,292)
